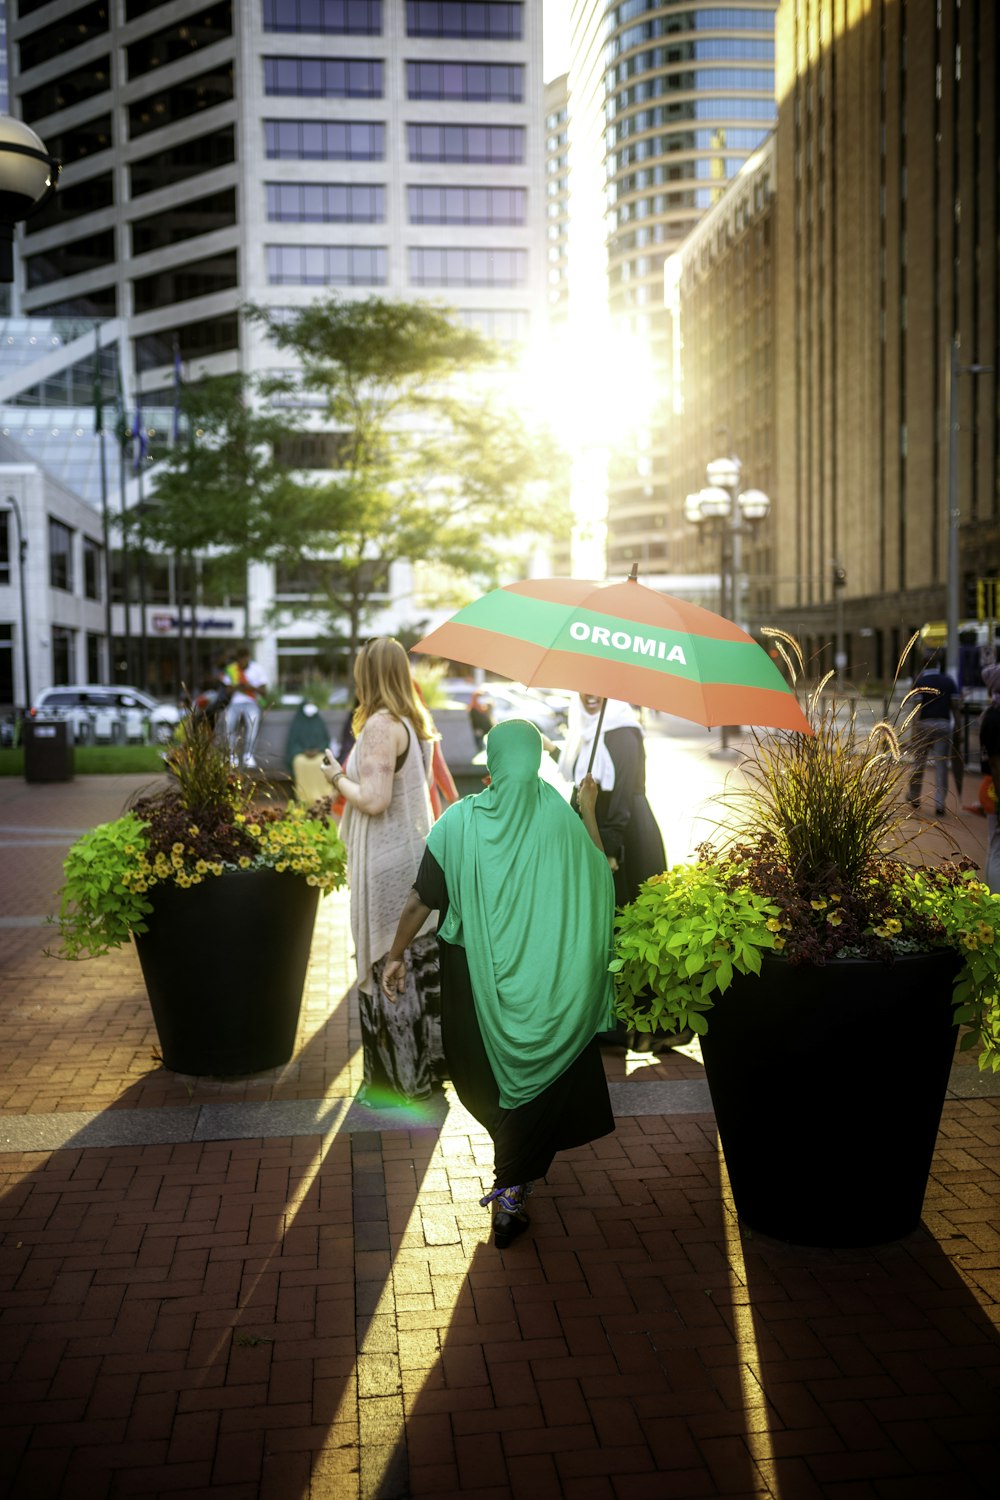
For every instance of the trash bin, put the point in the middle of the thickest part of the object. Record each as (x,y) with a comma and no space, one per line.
(48,750)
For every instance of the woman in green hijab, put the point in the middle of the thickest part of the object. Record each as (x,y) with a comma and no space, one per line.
(526,903)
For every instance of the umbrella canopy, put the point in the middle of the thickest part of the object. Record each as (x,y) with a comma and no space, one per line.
(621,640)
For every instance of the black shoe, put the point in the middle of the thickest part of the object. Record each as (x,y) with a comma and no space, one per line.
(939,811)
(509,1217)
(507,1227)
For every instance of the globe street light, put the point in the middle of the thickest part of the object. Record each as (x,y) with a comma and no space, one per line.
(28,178)
(721,503)
(952,371)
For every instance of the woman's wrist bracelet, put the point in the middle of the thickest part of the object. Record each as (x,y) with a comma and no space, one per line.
(335,778)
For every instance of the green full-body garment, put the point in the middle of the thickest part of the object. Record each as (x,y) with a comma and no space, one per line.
(531,901)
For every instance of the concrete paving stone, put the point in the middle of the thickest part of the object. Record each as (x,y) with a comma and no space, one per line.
(241,1225)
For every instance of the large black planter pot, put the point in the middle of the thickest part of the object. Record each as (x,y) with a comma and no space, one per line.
(224,964)
(828,1084)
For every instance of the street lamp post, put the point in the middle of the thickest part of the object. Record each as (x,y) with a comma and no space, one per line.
(953,372)
(735,512)
(22,553)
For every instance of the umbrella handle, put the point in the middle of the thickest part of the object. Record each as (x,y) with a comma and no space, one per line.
(597,735)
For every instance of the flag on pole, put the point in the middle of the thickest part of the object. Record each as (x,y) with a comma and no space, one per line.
(176,430)
(121,423)
(138,438)
(98,383)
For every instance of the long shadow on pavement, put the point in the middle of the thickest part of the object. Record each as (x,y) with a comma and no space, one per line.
(639,1341)
(205,1313)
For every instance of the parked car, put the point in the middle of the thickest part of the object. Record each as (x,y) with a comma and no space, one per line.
(510,701)
(116,714)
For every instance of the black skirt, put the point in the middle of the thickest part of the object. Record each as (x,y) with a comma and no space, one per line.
(574,1109)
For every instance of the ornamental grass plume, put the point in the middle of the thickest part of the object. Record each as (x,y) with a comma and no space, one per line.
(203,823)
(814,868)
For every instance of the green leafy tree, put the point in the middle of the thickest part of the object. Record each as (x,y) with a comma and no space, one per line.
(222,488)
(428,465)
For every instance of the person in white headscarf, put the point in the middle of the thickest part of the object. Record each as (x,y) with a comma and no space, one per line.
(989,750)
(629,831)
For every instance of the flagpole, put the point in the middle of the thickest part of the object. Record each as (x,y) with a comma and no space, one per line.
(105,523)
(184,564)
(122,434)
(137,459)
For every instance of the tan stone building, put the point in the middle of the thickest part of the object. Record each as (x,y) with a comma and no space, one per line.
(719,293)
(874,246)
(886,251)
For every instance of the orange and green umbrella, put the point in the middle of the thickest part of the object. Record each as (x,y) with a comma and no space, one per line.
(621,640)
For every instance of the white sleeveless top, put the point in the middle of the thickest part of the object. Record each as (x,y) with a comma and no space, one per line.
(384,851)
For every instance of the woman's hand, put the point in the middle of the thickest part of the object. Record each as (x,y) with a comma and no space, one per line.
(586,798)
(331,766)
(587,794)
(394,978)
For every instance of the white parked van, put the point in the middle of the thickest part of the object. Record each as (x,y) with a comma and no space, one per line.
(114,715)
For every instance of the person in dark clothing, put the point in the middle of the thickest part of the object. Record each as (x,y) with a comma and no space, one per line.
(308,738)
(989,749)
(935,730)
(526,902)
(629,831)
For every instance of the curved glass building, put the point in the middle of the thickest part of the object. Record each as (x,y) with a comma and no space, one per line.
(667,101)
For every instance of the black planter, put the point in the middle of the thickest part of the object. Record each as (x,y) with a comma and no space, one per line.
(224,964)
(828,1084)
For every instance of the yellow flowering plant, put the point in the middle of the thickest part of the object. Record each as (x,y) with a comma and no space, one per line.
(203,823)
(814,869)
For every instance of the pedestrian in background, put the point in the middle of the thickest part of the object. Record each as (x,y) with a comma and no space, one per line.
(629,831)
(387,816)
(934,731)
(989,748)
(526,903)
(247,681)
(308,739)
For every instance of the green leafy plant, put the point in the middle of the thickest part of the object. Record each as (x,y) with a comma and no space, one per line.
(202,823)
(813,869)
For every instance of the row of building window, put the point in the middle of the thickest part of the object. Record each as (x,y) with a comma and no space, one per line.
(326,202)
(327,265)
(678,21)
(366,265)
(324,140)
(656,62)
(493,20)
(327,17)
(496,83)
(467,205)
(498,20)
(364,203)
(464,266)
(324,77)
(498,144)
(700,19)
(731,50)
(363,140)
(664,83)
(364,78)
(705,109)
(652,119)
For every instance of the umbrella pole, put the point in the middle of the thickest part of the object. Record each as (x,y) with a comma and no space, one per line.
(597,735)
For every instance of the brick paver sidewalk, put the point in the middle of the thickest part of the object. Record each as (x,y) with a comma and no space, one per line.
(315,1312)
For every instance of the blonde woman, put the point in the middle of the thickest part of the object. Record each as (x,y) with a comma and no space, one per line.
(387,816)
